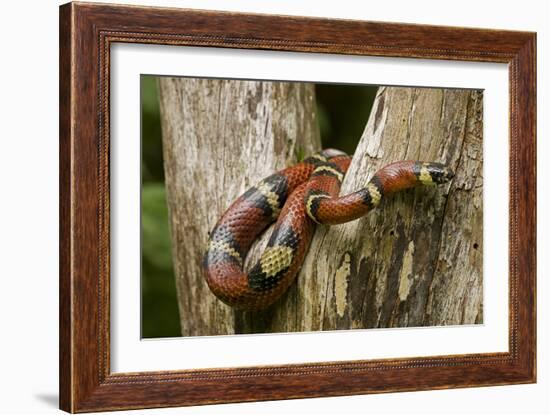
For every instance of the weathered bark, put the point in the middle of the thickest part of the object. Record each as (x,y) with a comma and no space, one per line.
(414,261)
(219,138)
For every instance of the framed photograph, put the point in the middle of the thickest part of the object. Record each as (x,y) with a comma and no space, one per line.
(259,207)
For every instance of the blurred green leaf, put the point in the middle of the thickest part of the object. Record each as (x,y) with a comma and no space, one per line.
(154,226)
(160,316)
(151,134)
(149,94)
(343,113)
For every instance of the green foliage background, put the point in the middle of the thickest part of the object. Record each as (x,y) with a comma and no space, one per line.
(342,113)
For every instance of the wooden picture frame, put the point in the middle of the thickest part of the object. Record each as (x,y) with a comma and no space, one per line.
(86,33)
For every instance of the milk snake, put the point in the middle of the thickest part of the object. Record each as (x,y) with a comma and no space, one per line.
(297,197)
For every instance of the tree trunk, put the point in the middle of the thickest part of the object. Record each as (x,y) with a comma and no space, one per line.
(219,138)
(415,261)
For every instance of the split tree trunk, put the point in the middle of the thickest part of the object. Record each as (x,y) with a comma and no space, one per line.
(415,261)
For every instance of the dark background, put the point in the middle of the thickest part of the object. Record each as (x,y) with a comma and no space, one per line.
(342,113)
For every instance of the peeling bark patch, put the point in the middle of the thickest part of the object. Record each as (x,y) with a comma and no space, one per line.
(370,310)
(376,126)
(341,284)
(406,271)
(254,99)
(379,112)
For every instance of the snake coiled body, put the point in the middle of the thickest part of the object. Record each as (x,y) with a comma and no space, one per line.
(297,198)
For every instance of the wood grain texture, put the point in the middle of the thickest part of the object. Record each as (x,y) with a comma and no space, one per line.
(65,246)
(258,31)
(87,31)
(219,138)
(79,194)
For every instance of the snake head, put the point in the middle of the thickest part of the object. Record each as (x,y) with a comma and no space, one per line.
(437,173)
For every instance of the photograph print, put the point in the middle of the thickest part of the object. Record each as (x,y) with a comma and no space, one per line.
(273,207)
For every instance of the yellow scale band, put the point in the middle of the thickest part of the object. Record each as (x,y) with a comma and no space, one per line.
(425,176)
(339,175)
(375,195)
(319,157)
(310,201)
(275,259)
(225,247)
(271,197)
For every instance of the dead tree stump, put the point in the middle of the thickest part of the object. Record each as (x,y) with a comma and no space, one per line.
(415,261)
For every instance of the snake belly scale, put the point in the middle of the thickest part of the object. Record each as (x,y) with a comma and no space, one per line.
(297,198)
